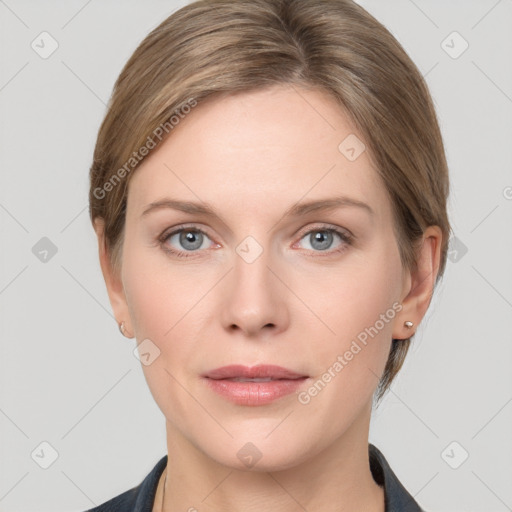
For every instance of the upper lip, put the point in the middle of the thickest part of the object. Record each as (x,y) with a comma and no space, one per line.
(251,372)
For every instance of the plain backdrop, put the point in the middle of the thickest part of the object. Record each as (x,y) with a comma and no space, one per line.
(70,386)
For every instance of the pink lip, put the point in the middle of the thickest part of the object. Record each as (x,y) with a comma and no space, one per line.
(282,383)
(259,371)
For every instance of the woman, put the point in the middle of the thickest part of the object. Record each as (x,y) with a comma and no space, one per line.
(269,193)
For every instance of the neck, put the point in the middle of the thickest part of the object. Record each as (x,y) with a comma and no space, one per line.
(337,479)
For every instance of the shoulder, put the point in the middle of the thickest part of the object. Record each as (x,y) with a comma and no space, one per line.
(398,498)
(137,499)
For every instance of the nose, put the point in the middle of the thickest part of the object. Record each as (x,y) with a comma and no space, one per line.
(255,301)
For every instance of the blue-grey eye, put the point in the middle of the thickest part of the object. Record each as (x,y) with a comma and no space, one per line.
(321,239)
(188,239)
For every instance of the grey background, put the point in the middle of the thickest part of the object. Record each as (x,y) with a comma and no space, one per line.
(68,377)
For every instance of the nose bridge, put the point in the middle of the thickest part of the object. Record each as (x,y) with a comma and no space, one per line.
(251,272)
(254,298)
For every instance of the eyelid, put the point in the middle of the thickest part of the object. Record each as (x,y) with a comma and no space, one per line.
(182,227)
(325,226)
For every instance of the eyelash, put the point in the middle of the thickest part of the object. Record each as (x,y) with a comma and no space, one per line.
(347,238)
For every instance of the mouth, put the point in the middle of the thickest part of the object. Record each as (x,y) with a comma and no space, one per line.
(242,379)
(253,386)
(259,373)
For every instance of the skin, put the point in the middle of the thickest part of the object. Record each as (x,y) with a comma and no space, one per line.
(251,156)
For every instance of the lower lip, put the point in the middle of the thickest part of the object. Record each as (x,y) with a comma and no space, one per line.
(254,393)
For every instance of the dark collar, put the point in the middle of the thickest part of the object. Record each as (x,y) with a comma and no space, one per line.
(141,498)
(397,498)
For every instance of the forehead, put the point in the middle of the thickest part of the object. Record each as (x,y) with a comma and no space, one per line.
(266,148)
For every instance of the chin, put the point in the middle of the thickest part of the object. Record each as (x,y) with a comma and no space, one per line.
(260,453)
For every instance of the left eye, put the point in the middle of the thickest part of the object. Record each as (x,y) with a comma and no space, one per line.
(322,239)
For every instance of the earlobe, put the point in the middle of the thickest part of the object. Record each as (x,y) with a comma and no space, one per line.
(113,281)
(420,283)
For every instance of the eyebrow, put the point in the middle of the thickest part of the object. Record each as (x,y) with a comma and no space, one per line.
(295,210)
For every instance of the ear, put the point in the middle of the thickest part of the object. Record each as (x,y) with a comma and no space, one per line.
(113,281)
(419,283)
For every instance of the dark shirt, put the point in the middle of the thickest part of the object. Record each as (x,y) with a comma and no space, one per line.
(141,498)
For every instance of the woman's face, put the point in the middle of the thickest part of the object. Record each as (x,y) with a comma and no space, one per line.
(260,280)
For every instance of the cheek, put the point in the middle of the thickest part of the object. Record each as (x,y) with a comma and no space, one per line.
(162,309)
(166,299)
(359,305)
(156,292)
(352,296)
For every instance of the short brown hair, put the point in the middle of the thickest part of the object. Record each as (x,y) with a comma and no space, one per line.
(214,47)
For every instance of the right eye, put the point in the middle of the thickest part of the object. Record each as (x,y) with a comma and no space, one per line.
(188,240)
